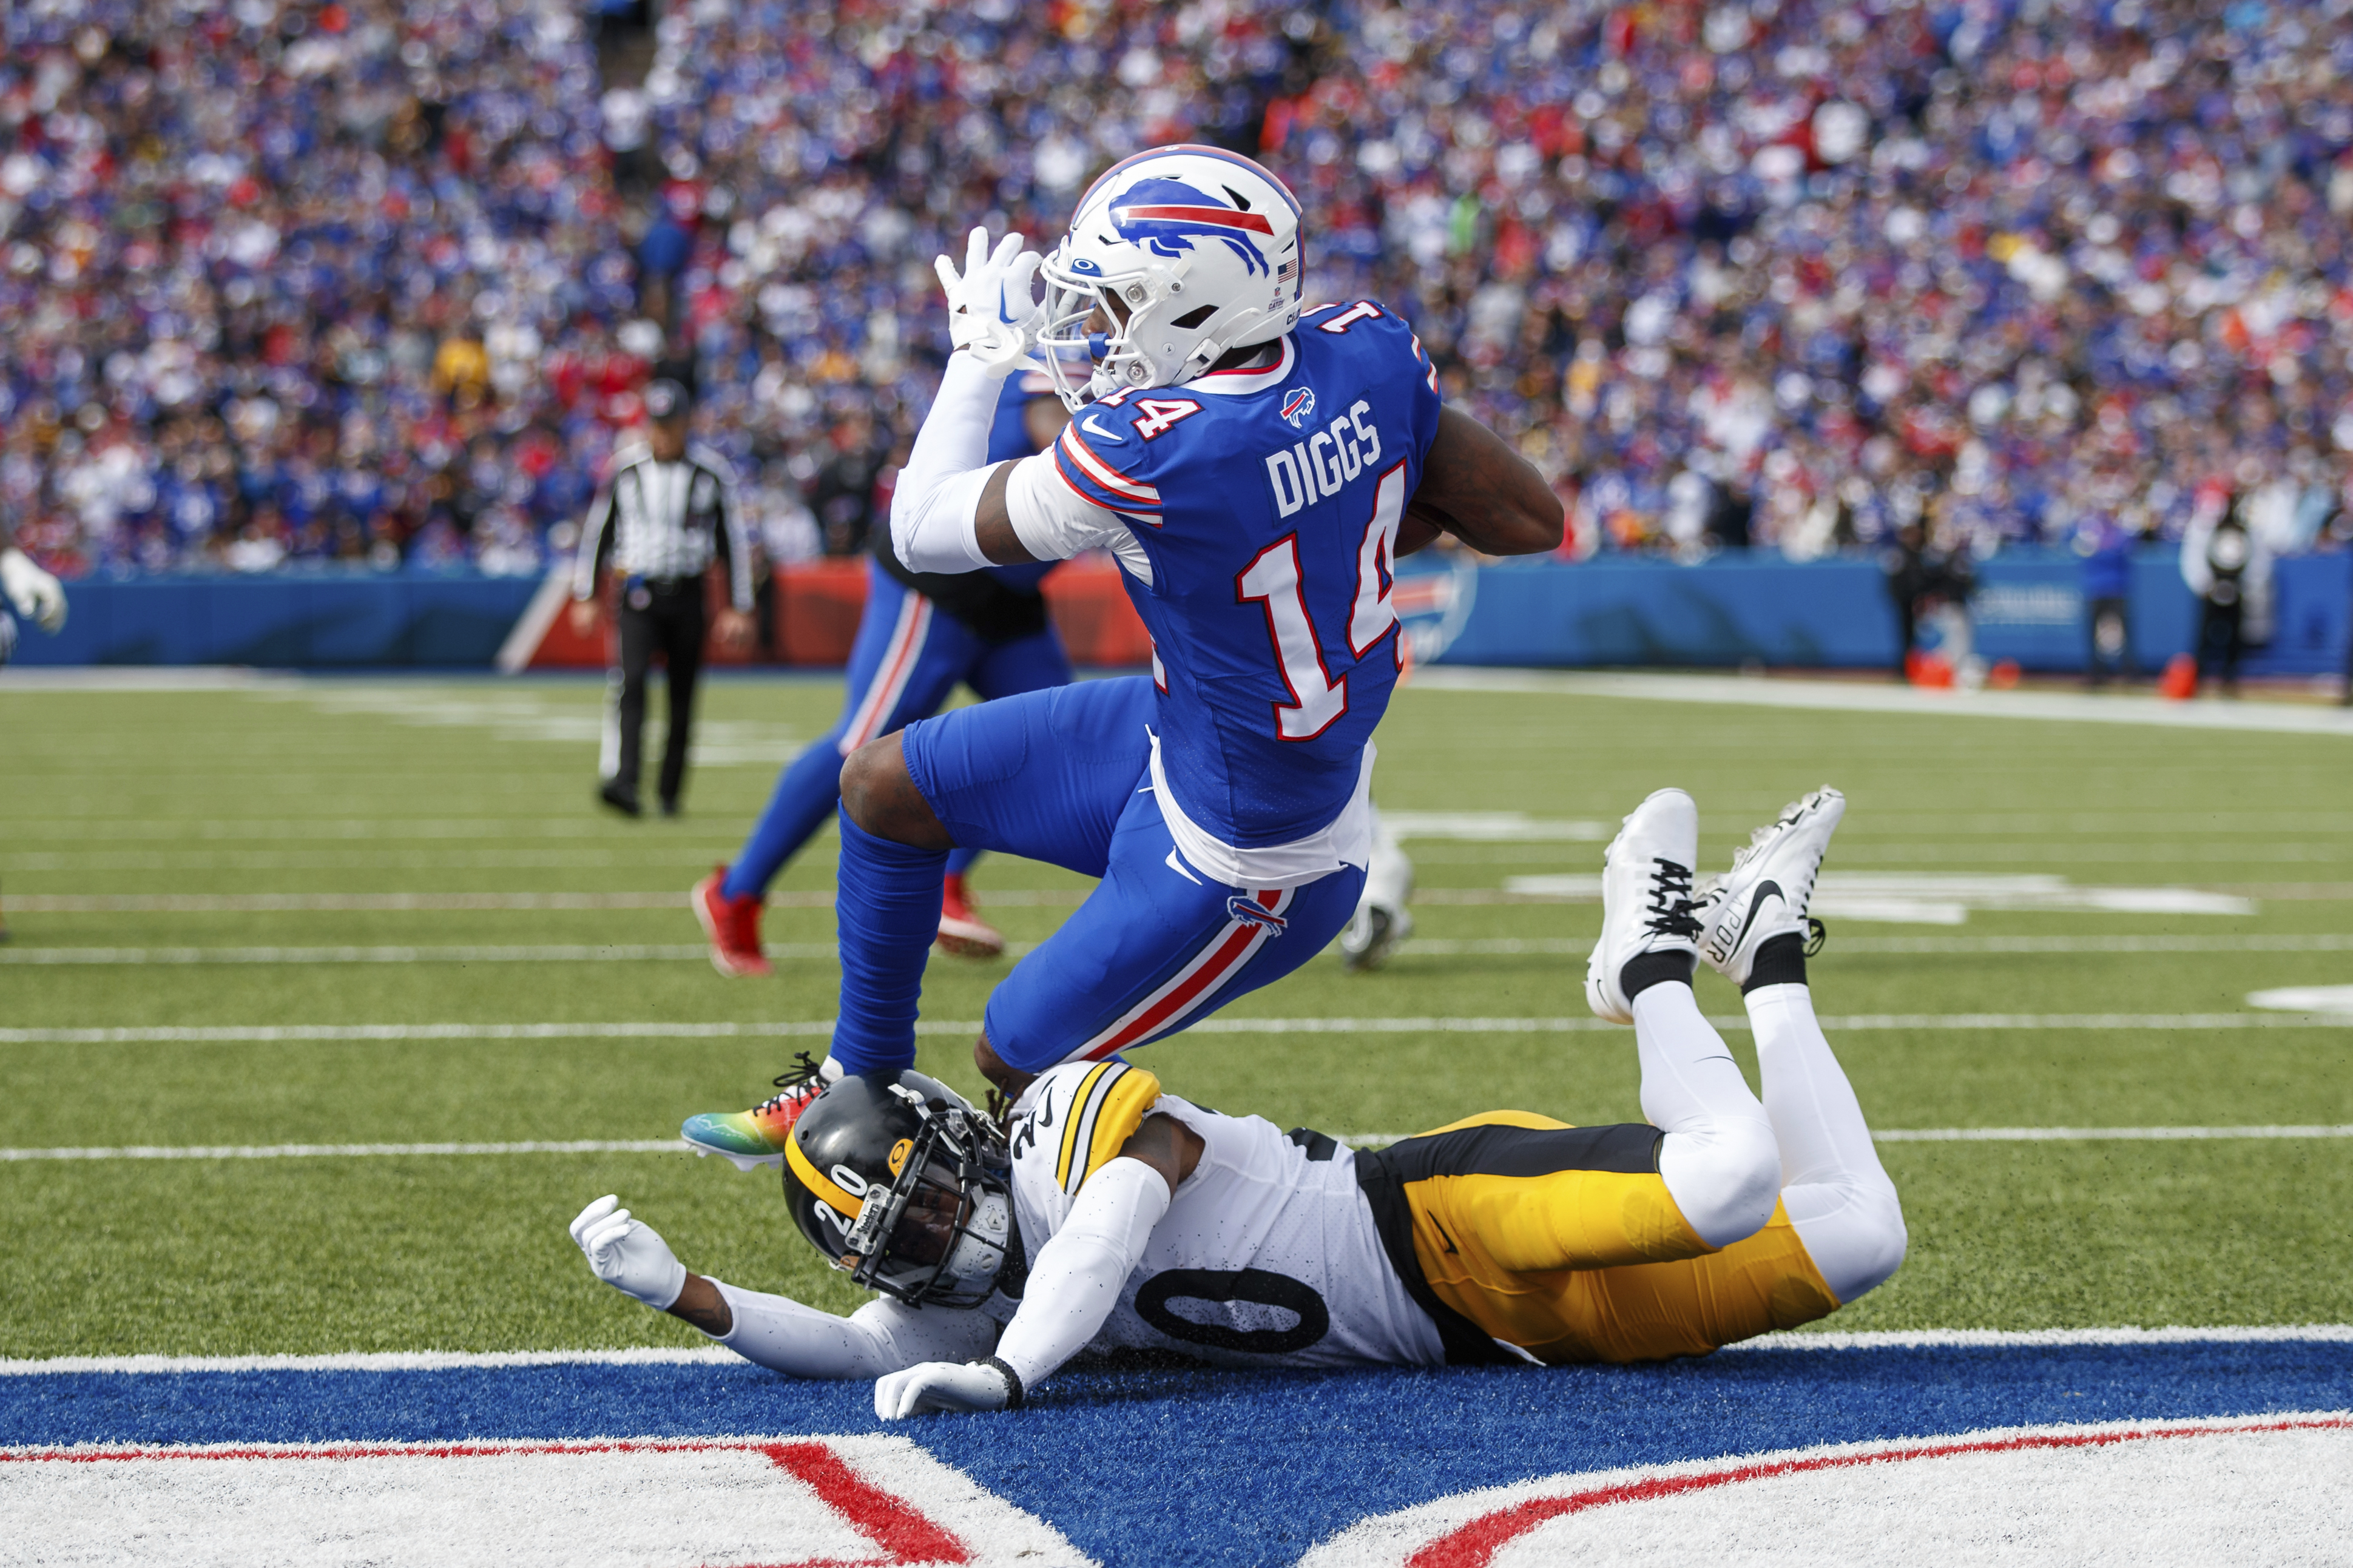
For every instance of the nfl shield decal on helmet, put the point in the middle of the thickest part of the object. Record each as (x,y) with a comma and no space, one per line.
(1298,406)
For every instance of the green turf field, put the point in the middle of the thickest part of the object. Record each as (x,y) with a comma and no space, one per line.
(339,788)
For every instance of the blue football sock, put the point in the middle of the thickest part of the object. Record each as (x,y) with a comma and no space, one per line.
(805,795)
(886,909)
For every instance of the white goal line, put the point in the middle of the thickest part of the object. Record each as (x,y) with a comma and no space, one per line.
(664,1029)
(1354,1140)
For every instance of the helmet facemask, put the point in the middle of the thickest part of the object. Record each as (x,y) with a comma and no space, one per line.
(942,1232)
(1101,329)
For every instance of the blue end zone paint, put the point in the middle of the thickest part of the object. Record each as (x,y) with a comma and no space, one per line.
(1198,1466)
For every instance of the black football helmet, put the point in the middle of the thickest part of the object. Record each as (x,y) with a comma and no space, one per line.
(899,1180)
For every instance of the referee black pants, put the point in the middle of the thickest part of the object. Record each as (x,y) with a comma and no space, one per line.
(663,617)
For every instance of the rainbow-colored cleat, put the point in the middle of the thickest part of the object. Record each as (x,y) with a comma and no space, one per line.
(750,1139)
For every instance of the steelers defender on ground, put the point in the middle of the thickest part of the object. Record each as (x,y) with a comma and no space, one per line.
(1115,1215)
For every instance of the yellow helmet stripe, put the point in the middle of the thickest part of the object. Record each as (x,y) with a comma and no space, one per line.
(827,1190)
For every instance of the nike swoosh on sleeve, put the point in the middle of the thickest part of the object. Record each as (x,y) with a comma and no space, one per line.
(1094,429)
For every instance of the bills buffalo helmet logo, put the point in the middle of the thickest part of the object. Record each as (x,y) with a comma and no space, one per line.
(1298,407)
(1165,216)
(1249,912)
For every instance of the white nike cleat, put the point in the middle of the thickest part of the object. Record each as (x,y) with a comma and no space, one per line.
(1646,898)
(1369,939)
(1766,893)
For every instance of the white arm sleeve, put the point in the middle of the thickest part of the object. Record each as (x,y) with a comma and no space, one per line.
(938,496)
(1054,522)
(1076,1278)
(880,1337)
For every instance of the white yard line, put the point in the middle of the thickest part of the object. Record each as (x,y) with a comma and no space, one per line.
(373,1361)
(712,1355)
(1844,697)
(2008,1134)
(346,903)
(348,1150)
(811,952)
(1354,1140)
(578,952)
(653,1029)
(1441,947)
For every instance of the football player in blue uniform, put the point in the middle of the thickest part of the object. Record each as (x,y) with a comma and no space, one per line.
(920,633)
(1256,468)
(1110,1215)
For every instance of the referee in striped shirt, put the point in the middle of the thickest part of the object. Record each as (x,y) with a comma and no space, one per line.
(666,513)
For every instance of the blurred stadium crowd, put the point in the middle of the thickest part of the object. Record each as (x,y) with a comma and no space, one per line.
(377,280)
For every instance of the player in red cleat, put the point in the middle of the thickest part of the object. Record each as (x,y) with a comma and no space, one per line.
(962,931)
(732,924)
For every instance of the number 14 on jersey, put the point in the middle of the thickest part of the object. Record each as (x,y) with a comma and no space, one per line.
(1272,581)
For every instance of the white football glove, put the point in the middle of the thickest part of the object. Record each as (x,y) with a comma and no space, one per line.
(32,590)
(990,310)
(626,1255)
(955,1386)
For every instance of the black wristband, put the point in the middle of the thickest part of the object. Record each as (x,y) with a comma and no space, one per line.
(1014,1393)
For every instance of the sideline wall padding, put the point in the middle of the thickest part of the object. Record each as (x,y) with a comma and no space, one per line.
(1757,607)
(288,621)
(1730,611)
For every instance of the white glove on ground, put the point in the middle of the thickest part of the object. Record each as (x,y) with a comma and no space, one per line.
(626,1255)
(955,1386)
(990,310)
(40,595)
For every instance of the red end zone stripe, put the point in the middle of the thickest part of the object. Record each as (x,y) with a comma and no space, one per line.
(891,1524)
(1221,217)
(1474,1545)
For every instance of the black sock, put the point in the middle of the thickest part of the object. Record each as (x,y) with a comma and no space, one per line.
(1780,961)
(1653,969)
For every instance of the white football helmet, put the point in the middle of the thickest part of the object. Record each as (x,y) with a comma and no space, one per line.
(1189,252)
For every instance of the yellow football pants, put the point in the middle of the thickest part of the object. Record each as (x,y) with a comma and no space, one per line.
(1599,1266)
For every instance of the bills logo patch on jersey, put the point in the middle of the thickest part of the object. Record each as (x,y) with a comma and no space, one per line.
(1165,216)
(1298,407)
(1244,908)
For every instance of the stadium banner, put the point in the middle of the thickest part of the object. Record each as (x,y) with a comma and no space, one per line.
(1737,608)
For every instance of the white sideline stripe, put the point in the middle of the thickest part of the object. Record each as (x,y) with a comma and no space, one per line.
(714,1355)
(350,1151)
(1833,695)
(1354,1139)
(273,1034)
(2029,1339)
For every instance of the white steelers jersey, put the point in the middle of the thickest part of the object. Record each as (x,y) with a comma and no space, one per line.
(1268,1256)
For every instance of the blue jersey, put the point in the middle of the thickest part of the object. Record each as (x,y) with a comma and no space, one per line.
(1268,503)
(1008,439)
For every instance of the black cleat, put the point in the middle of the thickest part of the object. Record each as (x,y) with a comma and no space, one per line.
(620,799)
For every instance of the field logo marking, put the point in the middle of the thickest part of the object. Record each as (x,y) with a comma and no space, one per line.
(1944,1502)
(778,1502)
